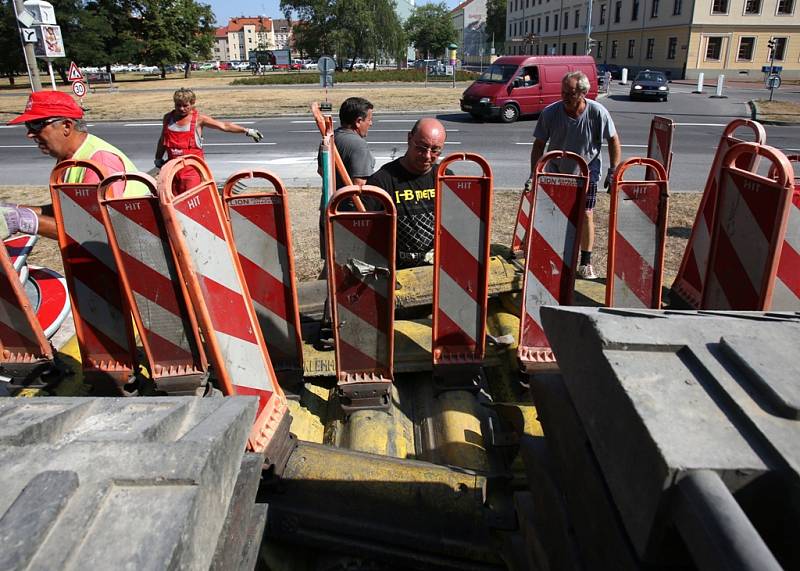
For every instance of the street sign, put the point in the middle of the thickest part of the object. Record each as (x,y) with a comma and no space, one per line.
(25,18)
(29,35)
(79,88)
(773,81)
(326,65)
(50,44)
(74,74)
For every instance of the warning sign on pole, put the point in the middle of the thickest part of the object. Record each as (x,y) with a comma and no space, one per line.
(79,88)
(74,74)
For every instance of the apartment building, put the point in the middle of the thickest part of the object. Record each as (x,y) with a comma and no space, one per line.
(683,37)
(235,41)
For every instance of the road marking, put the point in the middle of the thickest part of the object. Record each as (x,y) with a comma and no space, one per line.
(18,146)
(397,120)
(604,144)
(700,124)
(406,142)
(235,144)
(142,124)
(375,131)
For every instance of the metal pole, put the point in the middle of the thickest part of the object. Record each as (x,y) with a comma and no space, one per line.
(27,51)
(771,71)
(52,76)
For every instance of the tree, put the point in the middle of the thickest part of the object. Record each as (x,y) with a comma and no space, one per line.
(430,28)
(316,32)
(11,60)
(496,20)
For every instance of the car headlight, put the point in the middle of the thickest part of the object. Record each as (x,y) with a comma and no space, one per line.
(485,100)
(662,88)
(637,86)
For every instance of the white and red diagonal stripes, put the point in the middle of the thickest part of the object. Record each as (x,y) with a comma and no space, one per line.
(637,246)
(105,328)
(18,248)
(746,219)
(550,275)
(523,220)
(659,145)
(259,231)
(223,293)
(786,295)
(146,261)
(363,306)
(21,336)
(461,241)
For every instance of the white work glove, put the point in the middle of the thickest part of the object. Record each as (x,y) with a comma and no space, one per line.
(254,134)
(609,176)
(17,219)
(159,163)
(528,184)
(428,257)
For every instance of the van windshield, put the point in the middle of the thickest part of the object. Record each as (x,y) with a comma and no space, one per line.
(498,73)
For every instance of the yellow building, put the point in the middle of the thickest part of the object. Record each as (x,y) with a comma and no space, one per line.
(682,37)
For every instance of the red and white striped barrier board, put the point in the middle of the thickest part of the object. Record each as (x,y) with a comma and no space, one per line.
(262,233)
(102,317)
(519,239)
(201,238)
(461,270)
(153,287)
(24,349)
(18,248)
(637,233)
(659,144)
(786,295)
(53,307)
(688,284)
(551,259)
(749,226)
(361,279)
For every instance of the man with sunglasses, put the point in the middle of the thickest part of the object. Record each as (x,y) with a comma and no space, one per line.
(411,182)
(55,123)
(578,125)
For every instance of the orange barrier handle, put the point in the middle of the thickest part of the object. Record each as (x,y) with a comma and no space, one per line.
(172,167)
(661,172)
(105,190)
(325,126)
(756,127)
(780,171)
(556,155)
(484,164)
(277,183)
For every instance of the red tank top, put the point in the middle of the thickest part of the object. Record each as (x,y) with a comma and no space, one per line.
(180,143)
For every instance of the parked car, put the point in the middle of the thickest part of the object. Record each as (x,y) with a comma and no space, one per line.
(310,65)
(523,85)
(651,84)
(224,65)
(615,70)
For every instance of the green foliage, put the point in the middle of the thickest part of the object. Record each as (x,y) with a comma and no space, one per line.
(430,29)
(381,75)
(496,20)
(11,60)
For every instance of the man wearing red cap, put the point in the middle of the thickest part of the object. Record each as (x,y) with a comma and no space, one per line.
(55,122)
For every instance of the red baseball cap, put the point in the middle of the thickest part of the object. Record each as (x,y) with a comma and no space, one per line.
(46,104)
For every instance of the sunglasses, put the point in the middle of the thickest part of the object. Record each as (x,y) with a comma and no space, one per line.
(423,150)
(38,125)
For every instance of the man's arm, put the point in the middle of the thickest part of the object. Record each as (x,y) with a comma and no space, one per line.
(536,153)
(614,152)
(47,221)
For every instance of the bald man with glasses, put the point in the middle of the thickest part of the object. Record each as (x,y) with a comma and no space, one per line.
(55,123)
(411,182)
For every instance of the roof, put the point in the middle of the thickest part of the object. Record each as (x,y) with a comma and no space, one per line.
(262,23)
(460,6)
(221,32)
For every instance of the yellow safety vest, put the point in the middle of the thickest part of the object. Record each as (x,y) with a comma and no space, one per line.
(89,147)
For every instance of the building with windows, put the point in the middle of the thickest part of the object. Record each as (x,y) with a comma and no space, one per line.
(235,41)
(682,37)
(469,21)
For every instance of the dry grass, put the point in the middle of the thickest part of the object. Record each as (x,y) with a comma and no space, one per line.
(785,111)
(150,99)
(303,203)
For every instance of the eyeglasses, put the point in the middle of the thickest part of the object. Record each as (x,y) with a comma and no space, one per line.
(37,126)
(423,150)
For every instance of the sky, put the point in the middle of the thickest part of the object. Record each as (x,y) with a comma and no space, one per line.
(226,9)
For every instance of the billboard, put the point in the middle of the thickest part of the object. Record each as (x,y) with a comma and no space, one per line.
(271,57)
(49,44)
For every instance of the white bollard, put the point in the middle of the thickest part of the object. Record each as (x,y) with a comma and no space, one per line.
(720,82)
(700,83)
(624,76)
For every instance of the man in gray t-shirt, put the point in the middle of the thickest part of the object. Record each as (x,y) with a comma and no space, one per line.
(578,125)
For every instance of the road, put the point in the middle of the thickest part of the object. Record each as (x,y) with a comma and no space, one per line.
(290,143)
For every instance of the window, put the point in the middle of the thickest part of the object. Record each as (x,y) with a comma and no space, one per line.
(654,9)
(713,48)
(599,50)
(577,22)
(547,23)
(526,26)
(602,13)
(527,3)
(635,10)
(631,48)
(676,8)
(618,10)
(719,7)
(785,7)
(752,7)
(780,48)
(555,22)
(672,47)
(651,47)
(538,25)
(746,47)
(574,48)
(566,20)
(515,28)
(614,46)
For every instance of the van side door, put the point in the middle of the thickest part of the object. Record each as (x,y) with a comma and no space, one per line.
(551,82)
(527,89)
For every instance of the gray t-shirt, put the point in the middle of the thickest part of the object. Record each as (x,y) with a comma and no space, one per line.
(357,158)
(582,135)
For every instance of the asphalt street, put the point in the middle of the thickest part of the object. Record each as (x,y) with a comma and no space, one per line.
(290,142)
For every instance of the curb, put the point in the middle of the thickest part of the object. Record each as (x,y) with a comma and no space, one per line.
(754,115)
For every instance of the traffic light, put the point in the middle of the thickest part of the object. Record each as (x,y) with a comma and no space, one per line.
(771,45)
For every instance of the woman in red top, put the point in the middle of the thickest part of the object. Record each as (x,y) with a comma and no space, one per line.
(182,134)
